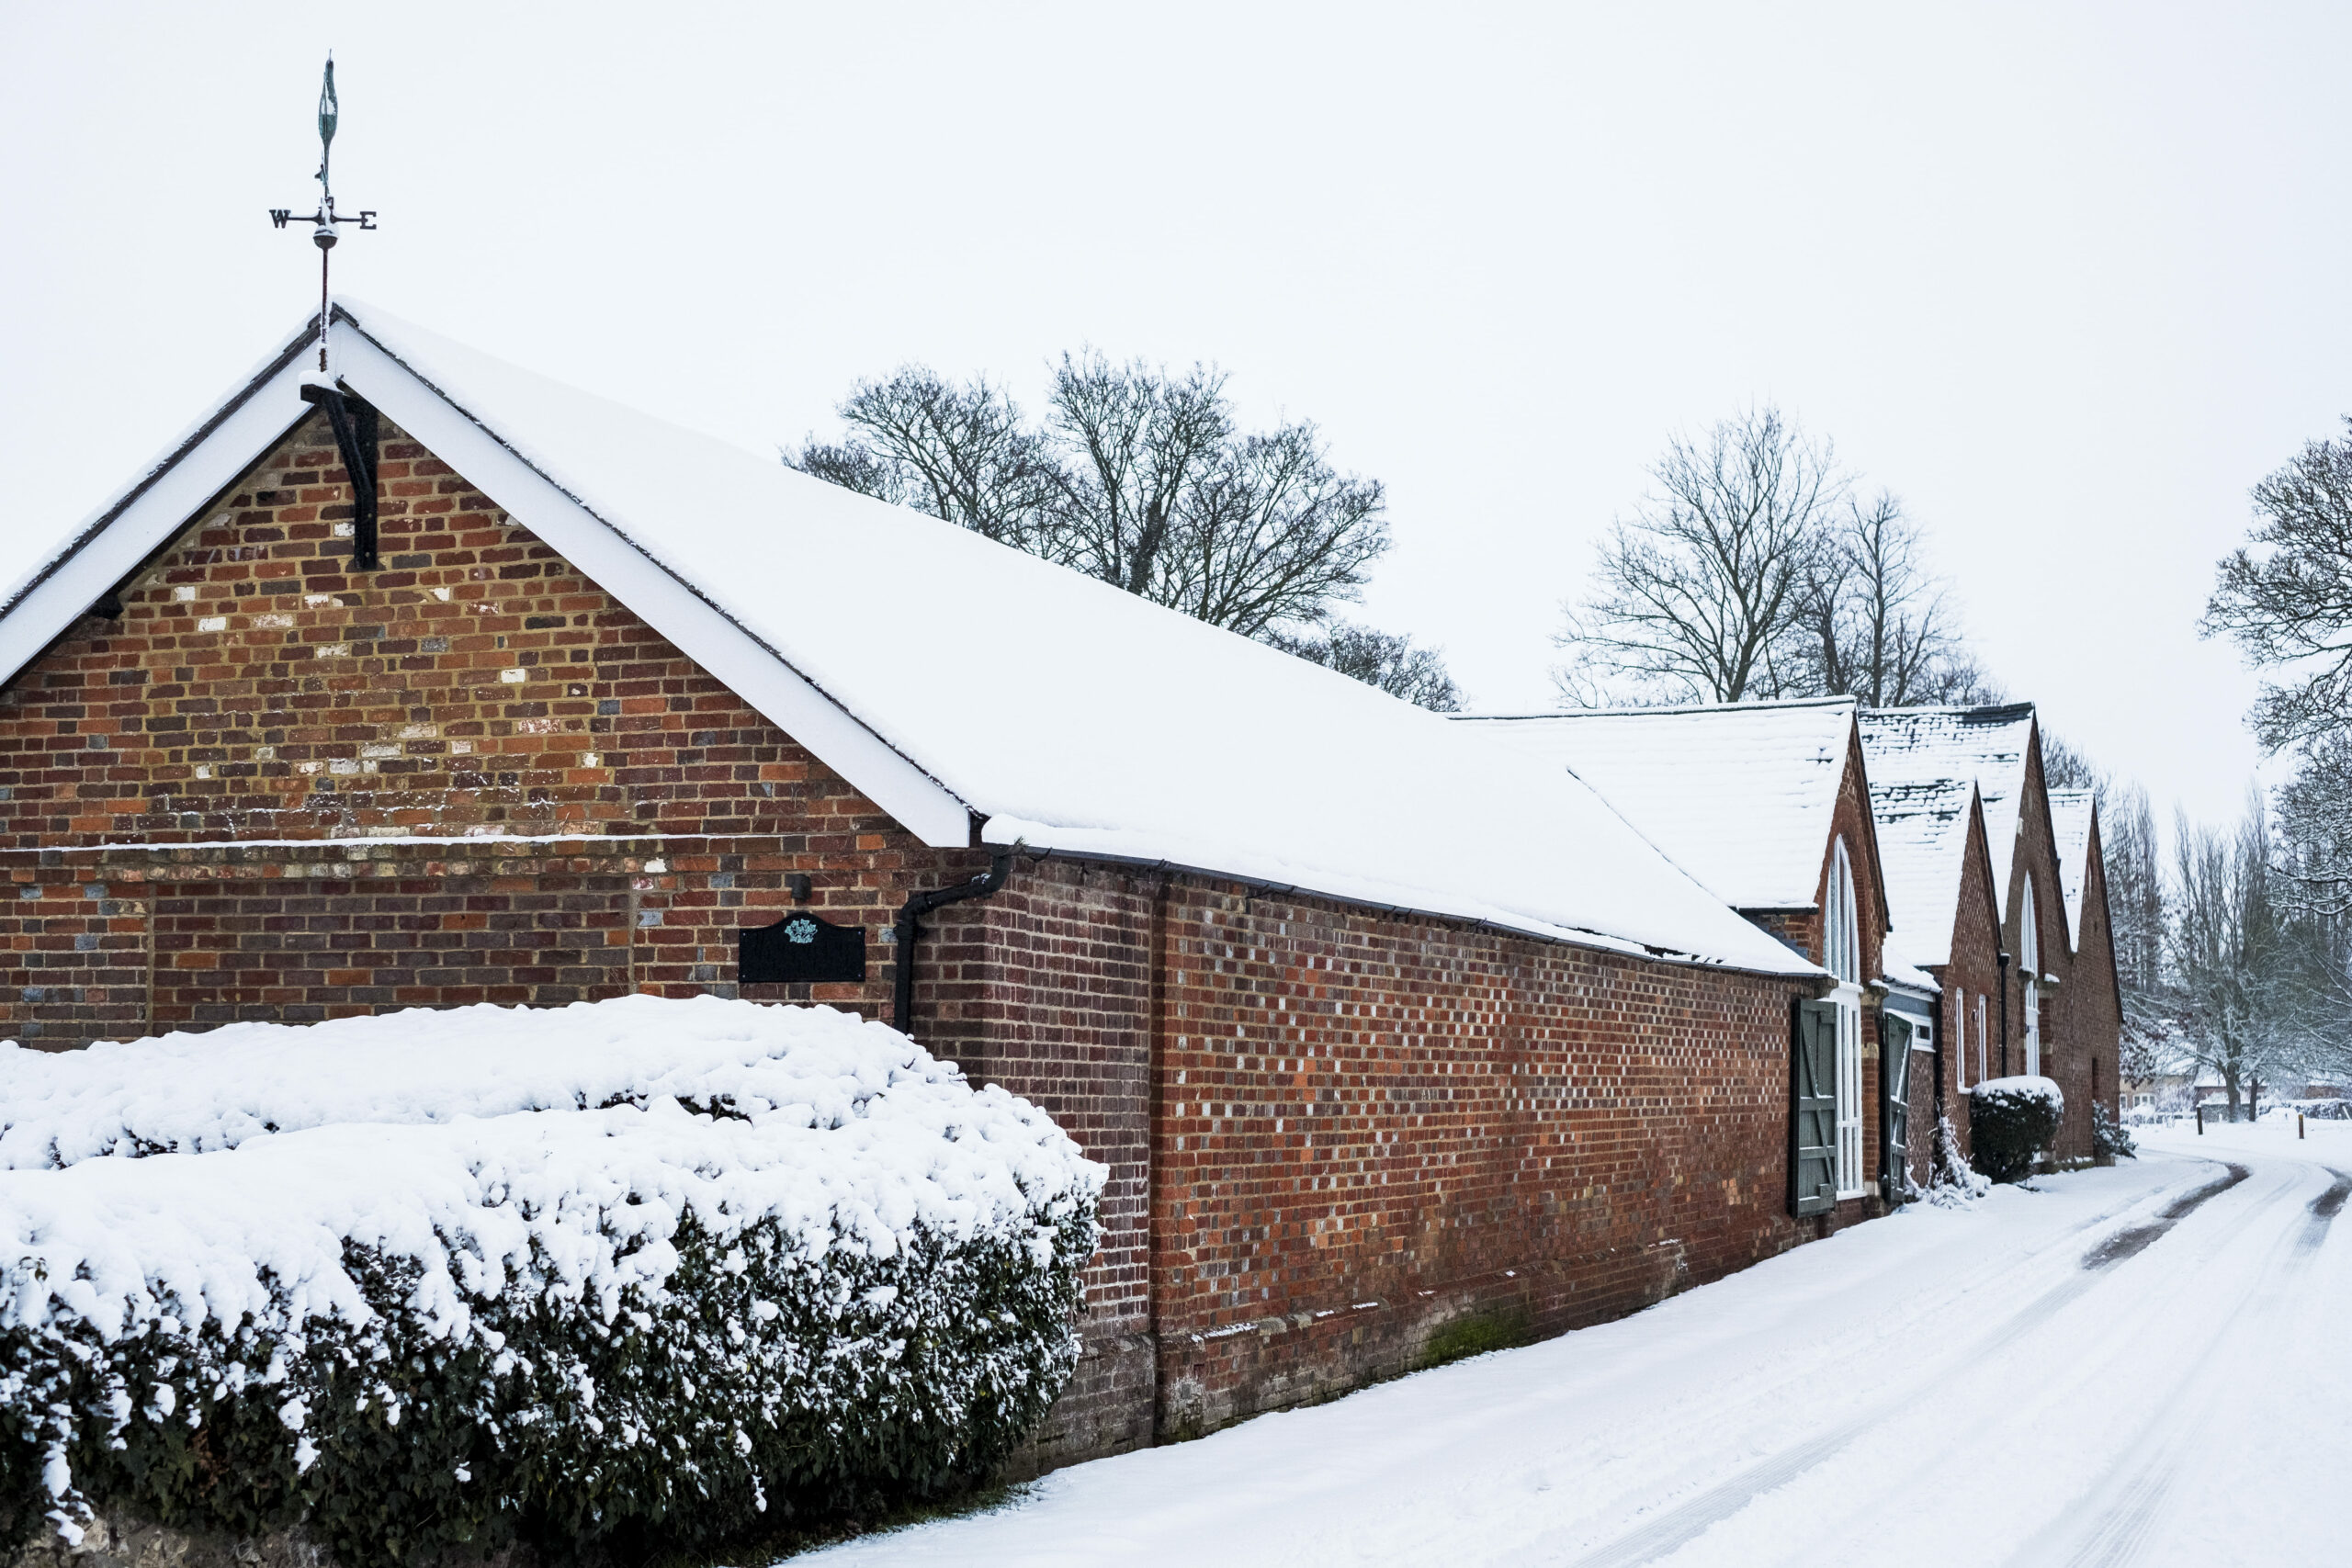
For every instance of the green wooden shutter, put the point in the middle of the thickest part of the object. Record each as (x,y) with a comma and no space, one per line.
(1894,1106)
(1813,1110)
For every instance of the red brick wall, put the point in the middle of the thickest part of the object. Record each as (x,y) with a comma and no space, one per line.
(476,688)
(1049,987)
(2086,1016)
(1370,1126)
(2067,1061)
(1973,971)
(1330,1133)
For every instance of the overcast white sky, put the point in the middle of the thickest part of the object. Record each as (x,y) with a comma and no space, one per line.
(2069,279)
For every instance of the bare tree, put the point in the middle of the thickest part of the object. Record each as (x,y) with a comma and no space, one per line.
(1879,623)
(1957,680)
(1135,440)
(1140,478)
(1700,593)
(2133,862)
(2239,982)
(2285,597)
(1378,658)
(1271,534)
(2064,767)
(959,452)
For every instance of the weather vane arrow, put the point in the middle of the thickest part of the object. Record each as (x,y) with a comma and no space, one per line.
(324,220)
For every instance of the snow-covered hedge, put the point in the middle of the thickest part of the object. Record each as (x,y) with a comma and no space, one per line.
(663,1269)
(2011,1122)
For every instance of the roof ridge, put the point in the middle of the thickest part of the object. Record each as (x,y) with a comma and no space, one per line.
(1988,712)
(1758,706)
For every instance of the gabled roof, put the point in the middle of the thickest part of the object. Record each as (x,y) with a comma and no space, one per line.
(1923,845)
(2071,811)
(1739,794)
(962,685)
(1985,745)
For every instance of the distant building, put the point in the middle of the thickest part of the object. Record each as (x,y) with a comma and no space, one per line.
(2053,1005)
(1767,806)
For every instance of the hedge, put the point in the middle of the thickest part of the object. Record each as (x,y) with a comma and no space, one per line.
(2012,1122)
(631,1325)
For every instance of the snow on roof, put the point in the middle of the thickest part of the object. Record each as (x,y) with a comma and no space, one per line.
(949,677)
(1739,794)
(1986,745)
(2071,811)
(1922,849)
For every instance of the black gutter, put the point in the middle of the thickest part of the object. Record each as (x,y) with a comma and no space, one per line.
(918,905)
(1943,1042)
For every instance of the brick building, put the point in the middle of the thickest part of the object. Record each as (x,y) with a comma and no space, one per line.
(1767,806)
(2049,1002)
(1939,883)
(431,682)
(2089,1009)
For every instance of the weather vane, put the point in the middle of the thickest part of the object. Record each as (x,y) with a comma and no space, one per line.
(323,234)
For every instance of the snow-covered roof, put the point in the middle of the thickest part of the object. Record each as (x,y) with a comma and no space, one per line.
(951,678)
(1986,745)
(1922,849)
(2071,811)
(1739,794)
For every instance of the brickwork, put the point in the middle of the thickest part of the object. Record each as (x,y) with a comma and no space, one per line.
(1970,1052)
(2067,1061)
(274,789)
(1049,987)
(2086,1016)
(1372,1126)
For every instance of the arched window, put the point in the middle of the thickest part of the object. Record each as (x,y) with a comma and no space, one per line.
(1842,956)
(1844,942)
(2030,961)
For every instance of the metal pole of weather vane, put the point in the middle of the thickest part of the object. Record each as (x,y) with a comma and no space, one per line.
(353,421)
(323,234)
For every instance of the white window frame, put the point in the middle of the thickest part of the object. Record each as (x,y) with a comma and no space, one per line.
(1981,1066)
(1960,1039)
(1842,956)
(2029,950)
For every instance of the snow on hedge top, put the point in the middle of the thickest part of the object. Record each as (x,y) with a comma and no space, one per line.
(1986,746)
(456,1138)
(2070,827)
(2023,1086)
(1739,794)
(1922,848)
(1072,715)
(190,1093)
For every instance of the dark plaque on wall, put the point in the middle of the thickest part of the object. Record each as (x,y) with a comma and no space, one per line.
(801,946)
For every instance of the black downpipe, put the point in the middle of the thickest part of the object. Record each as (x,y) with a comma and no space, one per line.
(2005,1014)
(918,905)
(1943,1042)
(355,438)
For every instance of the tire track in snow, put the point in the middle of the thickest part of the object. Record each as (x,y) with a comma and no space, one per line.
(1732,1406)
(2140,1320)
(2131,1242)
(2142,1479)
(1683,1523)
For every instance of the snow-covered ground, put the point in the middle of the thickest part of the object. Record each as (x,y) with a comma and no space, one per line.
(2105,1371)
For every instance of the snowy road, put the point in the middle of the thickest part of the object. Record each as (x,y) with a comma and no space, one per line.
(2150,1364)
